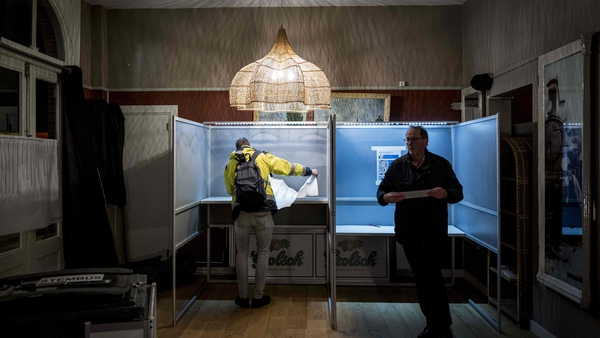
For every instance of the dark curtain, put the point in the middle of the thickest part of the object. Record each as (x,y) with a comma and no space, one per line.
(93,136)
(2,12)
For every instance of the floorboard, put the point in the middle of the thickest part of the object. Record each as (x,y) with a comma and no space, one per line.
(303,311)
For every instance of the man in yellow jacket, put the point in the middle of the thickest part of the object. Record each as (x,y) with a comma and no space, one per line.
(257,216)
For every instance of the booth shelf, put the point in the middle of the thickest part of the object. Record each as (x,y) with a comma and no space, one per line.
(508,212)
(515,193)
(494,270)
(510,246)
(227,200)
(356,199)
(383,230)
(387,230)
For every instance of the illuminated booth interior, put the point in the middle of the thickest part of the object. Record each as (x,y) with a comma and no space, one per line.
(343,225)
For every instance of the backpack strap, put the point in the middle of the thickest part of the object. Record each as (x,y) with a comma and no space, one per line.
(256,153)
(254,156)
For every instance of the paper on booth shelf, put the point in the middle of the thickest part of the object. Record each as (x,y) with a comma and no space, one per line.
(415,194)
(310,188)
(284,195)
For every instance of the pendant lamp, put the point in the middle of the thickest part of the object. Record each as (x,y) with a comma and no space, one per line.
(280,82)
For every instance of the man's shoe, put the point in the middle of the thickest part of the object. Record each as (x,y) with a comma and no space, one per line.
(242,302)
(429,333)
(260,302)
(424,332)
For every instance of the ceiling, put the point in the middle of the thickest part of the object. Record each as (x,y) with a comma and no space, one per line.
(131,4)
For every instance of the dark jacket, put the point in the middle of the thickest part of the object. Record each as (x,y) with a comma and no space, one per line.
(421,223)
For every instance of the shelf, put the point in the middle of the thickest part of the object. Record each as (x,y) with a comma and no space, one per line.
(508,212)
(386,230)
(515,204)
(508,245)
(509,307)
(512,280)
(304,200)
(356,199)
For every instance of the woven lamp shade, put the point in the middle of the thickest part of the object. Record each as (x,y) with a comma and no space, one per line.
(280,82)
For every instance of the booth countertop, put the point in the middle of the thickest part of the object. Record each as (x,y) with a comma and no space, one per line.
(227,200)
(384,230)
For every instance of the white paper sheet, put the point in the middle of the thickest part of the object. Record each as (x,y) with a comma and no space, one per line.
(310,188)
(415,194)
(285,196)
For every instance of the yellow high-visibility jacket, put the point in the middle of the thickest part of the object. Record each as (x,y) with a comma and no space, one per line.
(267,163)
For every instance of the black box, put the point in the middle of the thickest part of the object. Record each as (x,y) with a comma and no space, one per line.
(77,303)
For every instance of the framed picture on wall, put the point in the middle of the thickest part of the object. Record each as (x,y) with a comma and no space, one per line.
(564,144)
(348,107)
(279,116)
(357,107)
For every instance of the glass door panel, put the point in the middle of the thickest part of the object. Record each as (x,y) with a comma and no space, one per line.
(9,102)
(45,112)
(17,18)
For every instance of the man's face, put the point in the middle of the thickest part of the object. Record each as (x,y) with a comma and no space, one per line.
(416,148)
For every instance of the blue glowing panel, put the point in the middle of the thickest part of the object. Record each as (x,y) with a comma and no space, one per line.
(476,156)
(357,162)
(358,167)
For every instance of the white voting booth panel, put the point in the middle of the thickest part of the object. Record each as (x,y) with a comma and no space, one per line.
(148,172)
(304,144)
(164,158)
(165,162)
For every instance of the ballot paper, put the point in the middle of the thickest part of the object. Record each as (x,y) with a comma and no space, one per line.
(310,188)
(285,196)
(415,194)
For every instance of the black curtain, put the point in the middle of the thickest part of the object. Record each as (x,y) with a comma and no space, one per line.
(2,13)
(93,136)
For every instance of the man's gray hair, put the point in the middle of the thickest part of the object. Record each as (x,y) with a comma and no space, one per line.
(422,131)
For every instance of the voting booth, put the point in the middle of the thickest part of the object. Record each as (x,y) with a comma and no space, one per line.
(363,154)
(340,234)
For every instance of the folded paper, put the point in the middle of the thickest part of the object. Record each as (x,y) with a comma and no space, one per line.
(285,196)
(415,194)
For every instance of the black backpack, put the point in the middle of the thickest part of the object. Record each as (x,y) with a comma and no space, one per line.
(249,184)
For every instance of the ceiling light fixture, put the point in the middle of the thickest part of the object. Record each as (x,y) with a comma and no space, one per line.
(280,82)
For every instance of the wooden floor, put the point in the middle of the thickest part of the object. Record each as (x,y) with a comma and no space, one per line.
(302,311)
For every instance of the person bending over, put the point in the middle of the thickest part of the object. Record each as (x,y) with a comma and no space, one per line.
(257,215)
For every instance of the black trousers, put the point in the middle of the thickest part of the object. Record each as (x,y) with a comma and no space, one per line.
(431,288)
